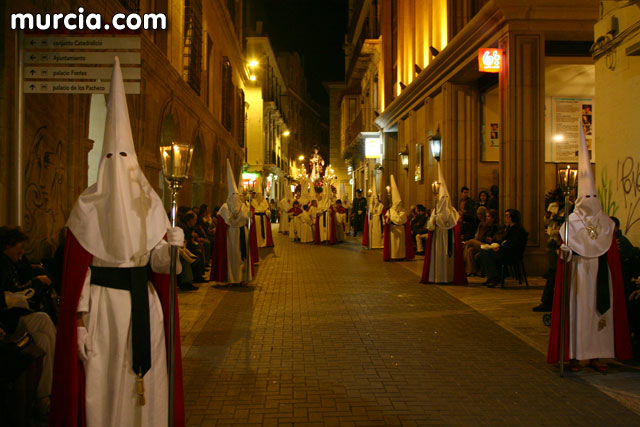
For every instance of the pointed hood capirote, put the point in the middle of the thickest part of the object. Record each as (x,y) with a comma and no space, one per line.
(590,229)
(235,210)
(373,200)
(396,200)
(120,217)
(446,215)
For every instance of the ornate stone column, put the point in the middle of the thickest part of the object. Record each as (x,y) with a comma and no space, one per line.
(522,120)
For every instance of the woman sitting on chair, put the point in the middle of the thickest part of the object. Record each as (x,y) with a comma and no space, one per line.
(509,249)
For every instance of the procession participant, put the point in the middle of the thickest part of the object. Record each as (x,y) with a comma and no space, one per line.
(596,321)
(358,213)
(397,230)
(232,249)
(372,237)
(443,257)
(305,224)
(347,205)
(294,220)
(325,231)
(261,211)
(111,318)
(283,207)
(340,216)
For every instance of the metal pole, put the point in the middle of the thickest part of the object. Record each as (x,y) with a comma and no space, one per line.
(172,309)
(18,164)
(563,311)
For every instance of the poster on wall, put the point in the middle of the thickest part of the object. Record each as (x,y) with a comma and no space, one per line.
(494,136)
(566,114)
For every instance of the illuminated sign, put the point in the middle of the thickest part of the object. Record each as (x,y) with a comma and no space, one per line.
(372,148)
(490,60)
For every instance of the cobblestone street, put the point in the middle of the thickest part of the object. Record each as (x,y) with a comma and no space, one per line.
(334,336)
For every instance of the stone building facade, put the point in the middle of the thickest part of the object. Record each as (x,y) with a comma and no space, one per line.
(192,90)
(415,64)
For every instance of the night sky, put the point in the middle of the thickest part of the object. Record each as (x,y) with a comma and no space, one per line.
(316,30)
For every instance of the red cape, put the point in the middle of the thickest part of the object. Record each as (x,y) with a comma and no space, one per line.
(253,238)
(219,258)
(408,244)
(459,273)
(622,338)
(365,231)
(333,237)
(67,393)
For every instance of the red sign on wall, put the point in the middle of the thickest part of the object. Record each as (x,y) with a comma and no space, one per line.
(490,60)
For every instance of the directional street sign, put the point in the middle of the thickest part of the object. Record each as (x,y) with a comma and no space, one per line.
(76,87)
(79,73)
(93,43)
(80,57)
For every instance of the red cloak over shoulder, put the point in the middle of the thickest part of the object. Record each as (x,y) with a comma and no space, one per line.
(67,394)
(621,336)
(459,273)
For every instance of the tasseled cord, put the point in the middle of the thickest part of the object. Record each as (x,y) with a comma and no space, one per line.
(141,399)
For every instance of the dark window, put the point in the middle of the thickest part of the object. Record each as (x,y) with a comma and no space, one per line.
(227,94)
(132,6)
(241,118)
(192,54)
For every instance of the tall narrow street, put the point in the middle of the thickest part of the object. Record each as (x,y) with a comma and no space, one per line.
(334,336)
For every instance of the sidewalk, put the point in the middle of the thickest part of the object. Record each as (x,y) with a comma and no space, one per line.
(331,335)
(511,308)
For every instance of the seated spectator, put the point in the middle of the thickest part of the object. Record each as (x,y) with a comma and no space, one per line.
(191,253)
(419,230)
(16,318)
(484,235)
(507,250)
(273,209)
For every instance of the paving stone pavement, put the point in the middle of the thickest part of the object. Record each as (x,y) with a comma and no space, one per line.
(334,336)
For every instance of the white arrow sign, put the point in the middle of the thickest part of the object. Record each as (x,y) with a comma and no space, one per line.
(76,87)
(87,73)
(95,43)
(80,57)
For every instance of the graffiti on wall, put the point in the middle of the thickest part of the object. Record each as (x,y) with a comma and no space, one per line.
(605,193)
(44,178)
(628,181)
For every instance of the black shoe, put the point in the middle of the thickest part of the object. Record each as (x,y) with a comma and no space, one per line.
(201,280)
(541,308)
(188,287)
(492,283)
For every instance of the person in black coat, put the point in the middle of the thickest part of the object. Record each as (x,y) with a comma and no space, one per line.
(512,243)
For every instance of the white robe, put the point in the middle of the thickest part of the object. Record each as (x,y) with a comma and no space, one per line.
(324,227)
(376,232)
(306,227)
(441,266)
(397,237)
(111,383)
(261,207)
(284,206)
(237,270)
(294,226)
(586,339)
(341,225)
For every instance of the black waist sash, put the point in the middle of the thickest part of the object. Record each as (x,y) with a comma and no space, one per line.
(324,219)
(134,280)
(603,299)
(262,214)
(243,243)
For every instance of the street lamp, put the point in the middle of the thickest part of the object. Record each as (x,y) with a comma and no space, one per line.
(286,133)
(435,188)
(436,144)
(176,159)
(404,158)
(567,178)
